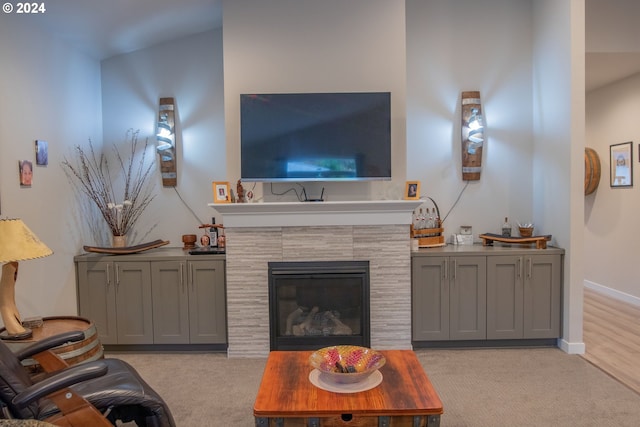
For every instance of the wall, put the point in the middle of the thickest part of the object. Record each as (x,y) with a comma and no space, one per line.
(313,46)
(461,46)
(610,213)
(611,111)
(558,82)
(49,92)
(190,70)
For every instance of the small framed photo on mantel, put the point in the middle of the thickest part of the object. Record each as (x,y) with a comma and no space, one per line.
(621,164)
(412,190)
(221,192)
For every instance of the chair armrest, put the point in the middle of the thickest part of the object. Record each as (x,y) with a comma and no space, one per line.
(61,379)
(48,343)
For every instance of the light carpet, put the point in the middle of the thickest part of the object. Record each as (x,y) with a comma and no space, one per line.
(487,387)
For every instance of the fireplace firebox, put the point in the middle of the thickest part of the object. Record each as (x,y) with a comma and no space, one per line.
(314,304)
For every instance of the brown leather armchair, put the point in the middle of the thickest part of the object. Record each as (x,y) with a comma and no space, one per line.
(97,393)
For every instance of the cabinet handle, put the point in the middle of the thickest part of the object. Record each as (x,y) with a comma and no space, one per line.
(455,270)
(193,286)
(445,267)
(519,268)
(117,268)
(182,276)
(529,268)
(108,275)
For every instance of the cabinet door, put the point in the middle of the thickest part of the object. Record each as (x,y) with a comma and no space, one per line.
(430,298)
(207,305)
(133,302)
(96,298)
(170,302)
(542,295)
(504,297)
(468,298)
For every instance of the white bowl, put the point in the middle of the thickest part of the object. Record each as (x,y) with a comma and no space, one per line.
(346,364)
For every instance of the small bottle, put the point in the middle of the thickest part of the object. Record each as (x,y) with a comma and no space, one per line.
(416,220)
(430,219)
(506,228)
(213,234)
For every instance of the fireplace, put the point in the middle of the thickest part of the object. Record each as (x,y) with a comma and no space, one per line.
(313,304)
(261,233)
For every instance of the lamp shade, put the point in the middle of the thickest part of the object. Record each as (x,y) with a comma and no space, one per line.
(18,243)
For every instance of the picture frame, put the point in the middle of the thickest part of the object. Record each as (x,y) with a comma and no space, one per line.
(412,190)
(25,173)
(221,193)
(621,165)
(42,152)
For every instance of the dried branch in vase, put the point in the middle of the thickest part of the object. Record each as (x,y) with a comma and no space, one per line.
(91,174)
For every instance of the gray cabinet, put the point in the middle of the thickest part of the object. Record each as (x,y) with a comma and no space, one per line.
(116,297)
(189,302)
(449,298)
(170,302)
(523,296)
(486,293)
(163,296)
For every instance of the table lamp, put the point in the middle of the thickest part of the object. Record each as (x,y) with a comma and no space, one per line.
(17,243)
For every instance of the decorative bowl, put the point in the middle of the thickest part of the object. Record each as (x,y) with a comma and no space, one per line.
(346,364)
(189,241)
(525,231)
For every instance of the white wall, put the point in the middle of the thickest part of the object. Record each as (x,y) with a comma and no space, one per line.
(559,145)
(471,45)
(611,111)
(49,92)
(189,70)
(312,46)
(612,26)
(611,220)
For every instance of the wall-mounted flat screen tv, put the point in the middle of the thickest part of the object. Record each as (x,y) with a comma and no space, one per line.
(315,136)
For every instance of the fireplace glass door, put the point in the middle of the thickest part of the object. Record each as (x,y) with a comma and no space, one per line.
(317,304)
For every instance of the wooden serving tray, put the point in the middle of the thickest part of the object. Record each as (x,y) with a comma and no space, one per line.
(127,250)
(540,241)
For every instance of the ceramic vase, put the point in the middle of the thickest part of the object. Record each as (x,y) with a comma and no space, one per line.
(119,241)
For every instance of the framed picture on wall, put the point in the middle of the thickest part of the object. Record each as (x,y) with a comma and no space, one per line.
(42,153)
(25,172)
(412,190)
(221,192)
(621,164)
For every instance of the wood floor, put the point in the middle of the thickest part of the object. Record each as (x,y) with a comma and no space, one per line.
(612,337)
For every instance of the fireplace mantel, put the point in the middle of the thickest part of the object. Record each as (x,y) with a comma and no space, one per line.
(295,214)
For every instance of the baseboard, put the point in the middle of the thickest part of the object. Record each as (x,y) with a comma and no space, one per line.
(571,347)
(503,343)
(613,293)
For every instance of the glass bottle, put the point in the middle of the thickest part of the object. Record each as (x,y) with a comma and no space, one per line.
(506,228)
(416,220)
(213,234)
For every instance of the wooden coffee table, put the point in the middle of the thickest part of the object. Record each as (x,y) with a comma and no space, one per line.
(287,398)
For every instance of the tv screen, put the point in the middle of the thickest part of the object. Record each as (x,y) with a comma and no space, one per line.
(315,136)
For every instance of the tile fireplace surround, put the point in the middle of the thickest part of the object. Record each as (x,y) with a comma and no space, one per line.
(374,231)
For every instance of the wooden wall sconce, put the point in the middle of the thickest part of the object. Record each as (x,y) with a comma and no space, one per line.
(166,147)
(472,136)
